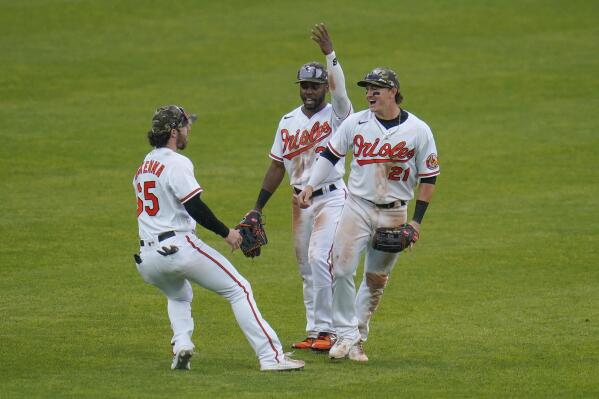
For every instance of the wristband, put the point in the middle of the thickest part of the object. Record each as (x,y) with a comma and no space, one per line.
(263,198)
(419,211)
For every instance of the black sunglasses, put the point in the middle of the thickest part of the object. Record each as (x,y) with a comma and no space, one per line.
(182,121)
(373,77)
(310,72)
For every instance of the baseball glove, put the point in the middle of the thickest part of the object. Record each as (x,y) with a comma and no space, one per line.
(394,239)
(252,233)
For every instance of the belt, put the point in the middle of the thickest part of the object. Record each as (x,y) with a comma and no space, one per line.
(318,192)
(389,205)
(161,237)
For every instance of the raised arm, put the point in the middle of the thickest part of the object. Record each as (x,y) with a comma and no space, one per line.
(339,98)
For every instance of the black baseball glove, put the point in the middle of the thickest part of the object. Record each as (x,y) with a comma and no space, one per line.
(394,239)
(252,233)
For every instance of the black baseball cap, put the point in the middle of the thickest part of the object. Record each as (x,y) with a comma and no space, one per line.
(381,77)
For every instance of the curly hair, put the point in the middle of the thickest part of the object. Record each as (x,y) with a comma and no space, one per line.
(158,138)
(398,97)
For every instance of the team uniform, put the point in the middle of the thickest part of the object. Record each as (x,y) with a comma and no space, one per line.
(163,184)
(297,142)
(386,166)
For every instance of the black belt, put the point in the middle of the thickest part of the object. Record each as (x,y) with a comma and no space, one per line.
(161,237)
(389,205)
(318,192)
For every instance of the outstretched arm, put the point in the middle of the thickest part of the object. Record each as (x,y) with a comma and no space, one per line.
(272,180)
(320,170)
(339,99)
(200,212)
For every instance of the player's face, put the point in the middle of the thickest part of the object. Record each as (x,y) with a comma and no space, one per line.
(379,98)
(312,95)
(182,133)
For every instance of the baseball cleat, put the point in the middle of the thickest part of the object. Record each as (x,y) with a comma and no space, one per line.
(286,364)
(324,342)
(342,347)
(182,359)
(356,352)
(305,344)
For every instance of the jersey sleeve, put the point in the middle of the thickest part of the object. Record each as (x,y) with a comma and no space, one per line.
(342,138)
(427,162)
(276,151)
(339,100)
(183,182)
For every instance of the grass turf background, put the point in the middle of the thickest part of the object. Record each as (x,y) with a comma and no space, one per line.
(500,297)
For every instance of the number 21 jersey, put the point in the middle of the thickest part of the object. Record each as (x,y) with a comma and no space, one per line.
(386,163)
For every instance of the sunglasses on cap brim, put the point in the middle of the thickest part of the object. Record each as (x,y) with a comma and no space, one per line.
(376,80)
(183,120)
(311,73)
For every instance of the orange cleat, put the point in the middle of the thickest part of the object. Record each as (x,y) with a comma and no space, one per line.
(305,344)
(324,342)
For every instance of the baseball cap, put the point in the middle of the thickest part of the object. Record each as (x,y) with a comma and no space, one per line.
(380,76)
(171,117)
(312,72)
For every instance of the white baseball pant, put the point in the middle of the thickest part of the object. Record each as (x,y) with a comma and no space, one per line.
(199,263)
(313,232)
(359,220)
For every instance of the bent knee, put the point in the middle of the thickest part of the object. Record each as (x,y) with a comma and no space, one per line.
(344,266)
(376,281)
(237,290)
(319,257)
(340,272)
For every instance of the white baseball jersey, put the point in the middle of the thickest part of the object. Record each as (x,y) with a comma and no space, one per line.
(299,139)
(386,164)
(297,142)
(163,183)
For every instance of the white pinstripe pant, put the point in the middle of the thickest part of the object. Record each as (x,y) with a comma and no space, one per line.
(313,233)
(199,263)
(359,220)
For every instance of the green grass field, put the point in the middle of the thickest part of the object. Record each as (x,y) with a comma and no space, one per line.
(500,298)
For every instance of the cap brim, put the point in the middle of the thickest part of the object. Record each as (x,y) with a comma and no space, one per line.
(319,81)
(364,83)
(193,117)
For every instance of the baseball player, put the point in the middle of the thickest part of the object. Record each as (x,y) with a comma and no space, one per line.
(172,256)
(392,151)
(300,136)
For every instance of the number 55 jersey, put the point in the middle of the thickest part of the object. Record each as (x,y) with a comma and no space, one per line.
(163,183)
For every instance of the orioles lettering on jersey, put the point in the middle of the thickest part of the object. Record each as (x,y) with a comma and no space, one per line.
(385,153)
(304,140)
(299,139)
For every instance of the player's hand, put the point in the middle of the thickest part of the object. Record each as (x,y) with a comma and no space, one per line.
(233,239)
(304,198)
(416,227)
(321,36)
